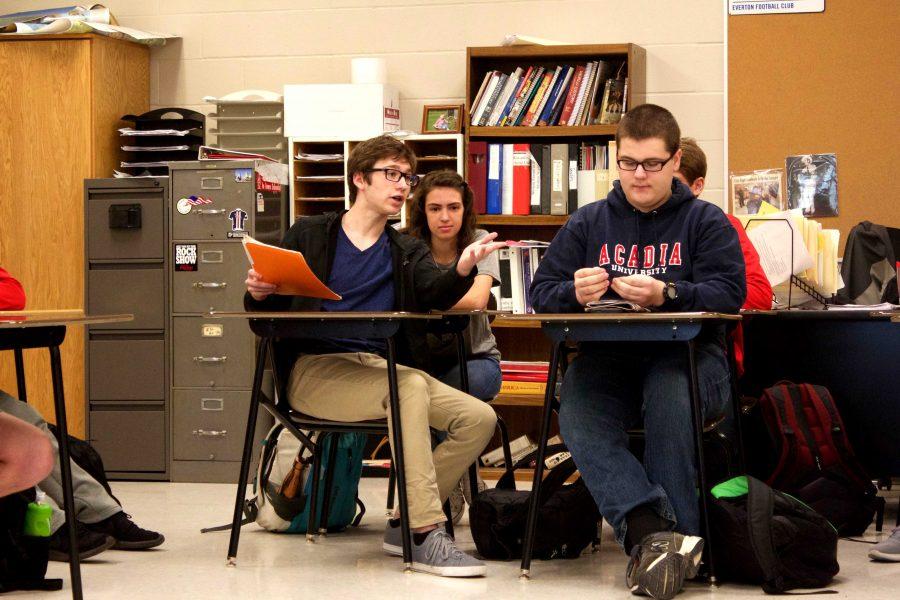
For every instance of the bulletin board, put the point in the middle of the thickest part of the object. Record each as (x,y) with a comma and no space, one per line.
(820,83)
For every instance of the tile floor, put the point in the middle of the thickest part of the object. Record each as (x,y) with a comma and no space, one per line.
(352,565)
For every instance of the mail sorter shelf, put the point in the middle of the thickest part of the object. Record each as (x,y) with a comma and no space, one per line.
(250,126)
(179,136)
(213,205)
(126,256)
(319,175)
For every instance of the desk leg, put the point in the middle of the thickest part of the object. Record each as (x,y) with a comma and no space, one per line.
(736,412)
(531,525)
(464,386)
(65,468)
(697,414)
(405,535)
(20,375)
(261,353)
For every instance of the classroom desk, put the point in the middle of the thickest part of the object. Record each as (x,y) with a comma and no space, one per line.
(21,330)
(854,353)
(620,327)
(315,325)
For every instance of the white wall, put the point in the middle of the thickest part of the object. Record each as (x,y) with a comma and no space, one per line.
(228,45)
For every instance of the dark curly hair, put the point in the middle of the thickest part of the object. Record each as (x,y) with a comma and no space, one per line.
(418,220)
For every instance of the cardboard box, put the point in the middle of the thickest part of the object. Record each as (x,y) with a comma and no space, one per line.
(340,111)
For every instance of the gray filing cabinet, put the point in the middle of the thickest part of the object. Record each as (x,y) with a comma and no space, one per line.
(213,204)
(126,363)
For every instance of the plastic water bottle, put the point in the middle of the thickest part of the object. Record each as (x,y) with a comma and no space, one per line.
(37,517)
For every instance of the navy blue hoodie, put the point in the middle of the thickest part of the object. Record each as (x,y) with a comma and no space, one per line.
(685,240)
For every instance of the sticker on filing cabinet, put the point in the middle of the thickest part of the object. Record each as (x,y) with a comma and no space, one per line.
(260,202)
(184,205)
(238,219)
(185,257)
(212,330)
(243,175)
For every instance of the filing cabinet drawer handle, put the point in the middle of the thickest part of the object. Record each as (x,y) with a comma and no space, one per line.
(210,359)
(213,433)
(210,284)
(210,211)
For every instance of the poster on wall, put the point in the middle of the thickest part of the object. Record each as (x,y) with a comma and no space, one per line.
(812,184)
(770,7)
(750,189)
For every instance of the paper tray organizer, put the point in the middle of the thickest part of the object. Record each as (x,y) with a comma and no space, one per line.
(150,159)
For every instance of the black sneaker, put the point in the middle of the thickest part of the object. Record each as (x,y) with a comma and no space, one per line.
(90,543)
(661,562)
(126,534)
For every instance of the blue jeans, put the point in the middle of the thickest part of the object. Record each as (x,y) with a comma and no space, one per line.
(484,377)
(606,391)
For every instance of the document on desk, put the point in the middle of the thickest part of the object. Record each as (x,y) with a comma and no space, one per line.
(607,305)
(287,269)
(772,240)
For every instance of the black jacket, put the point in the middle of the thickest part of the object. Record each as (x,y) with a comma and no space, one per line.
(419,286)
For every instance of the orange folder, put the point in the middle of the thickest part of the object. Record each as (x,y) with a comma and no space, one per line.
(287,269)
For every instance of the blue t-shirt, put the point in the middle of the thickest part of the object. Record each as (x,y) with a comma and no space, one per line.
(364,280)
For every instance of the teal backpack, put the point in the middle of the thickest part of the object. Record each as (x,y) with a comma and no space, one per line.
(345,508)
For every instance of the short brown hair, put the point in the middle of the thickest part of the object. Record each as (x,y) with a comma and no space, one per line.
(650,121)
(367,153)
(418,220)
(693,160)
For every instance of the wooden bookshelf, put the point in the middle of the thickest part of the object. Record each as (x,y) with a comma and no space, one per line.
(524,340)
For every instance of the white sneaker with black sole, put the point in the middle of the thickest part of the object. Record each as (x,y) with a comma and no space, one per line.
(662,561)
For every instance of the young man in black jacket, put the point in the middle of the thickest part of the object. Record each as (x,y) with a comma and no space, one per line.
(375,268)
(653,243)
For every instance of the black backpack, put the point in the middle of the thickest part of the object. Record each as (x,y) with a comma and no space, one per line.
(567,518)
(87,457)
(815,460)
(23,559)
(770,538)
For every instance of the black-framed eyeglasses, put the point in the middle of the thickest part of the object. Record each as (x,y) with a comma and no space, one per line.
(651,165)
(394,175)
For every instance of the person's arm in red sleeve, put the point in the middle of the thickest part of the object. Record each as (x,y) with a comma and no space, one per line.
(759,290)
(12,296)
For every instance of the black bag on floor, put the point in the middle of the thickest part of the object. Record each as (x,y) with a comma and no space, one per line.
(23,559)
(567,518)
(770,538)
(87,457)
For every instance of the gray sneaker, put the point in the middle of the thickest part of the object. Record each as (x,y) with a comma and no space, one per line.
(439,555)
(888,549)
(393,541)
(661,562)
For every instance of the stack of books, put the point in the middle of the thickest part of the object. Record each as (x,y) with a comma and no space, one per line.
(539,179)
(537,96)
(524,378)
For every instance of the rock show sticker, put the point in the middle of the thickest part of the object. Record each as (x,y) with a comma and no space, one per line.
(185,257)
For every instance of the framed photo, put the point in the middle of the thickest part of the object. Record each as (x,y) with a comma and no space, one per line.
(750,189)
(445,118)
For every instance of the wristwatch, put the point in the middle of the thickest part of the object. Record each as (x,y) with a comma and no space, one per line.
(670,292)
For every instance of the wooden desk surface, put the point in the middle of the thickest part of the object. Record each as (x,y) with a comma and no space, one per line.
(325,315)
(621,317)
(18,319)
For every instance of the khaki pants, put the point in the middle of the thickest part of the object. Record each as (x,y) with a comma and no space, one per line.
(354,387)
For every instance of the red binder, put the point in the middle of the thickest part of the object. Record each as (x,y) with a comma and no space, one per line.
(477,159)
(521,180)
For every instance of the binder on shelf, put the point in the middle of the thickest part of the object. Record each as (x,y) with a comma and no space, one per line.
(521,179)
(559,182)
(505,301)
(546,178)
(494,179)
(506,181)
(477,165)
(535,156)
(572,202)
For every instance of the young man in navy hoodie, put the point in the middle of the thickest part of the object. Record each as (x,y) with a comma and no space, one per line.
(654,243)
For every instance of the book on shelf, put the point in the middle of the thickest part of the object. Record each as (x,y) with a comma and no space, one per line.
(526,97)
(561,84)
(476,102)
(523,84)
(519,448)
(534,109)
(524,366)
(506,180)
(613,102)
(579,97)
(518,264)
(572,95)
(493,98)
(523,388)
(504,101)
(535,153)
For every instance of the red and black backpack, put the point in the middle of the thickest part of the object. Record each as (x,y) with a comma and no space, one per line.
(815,460)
